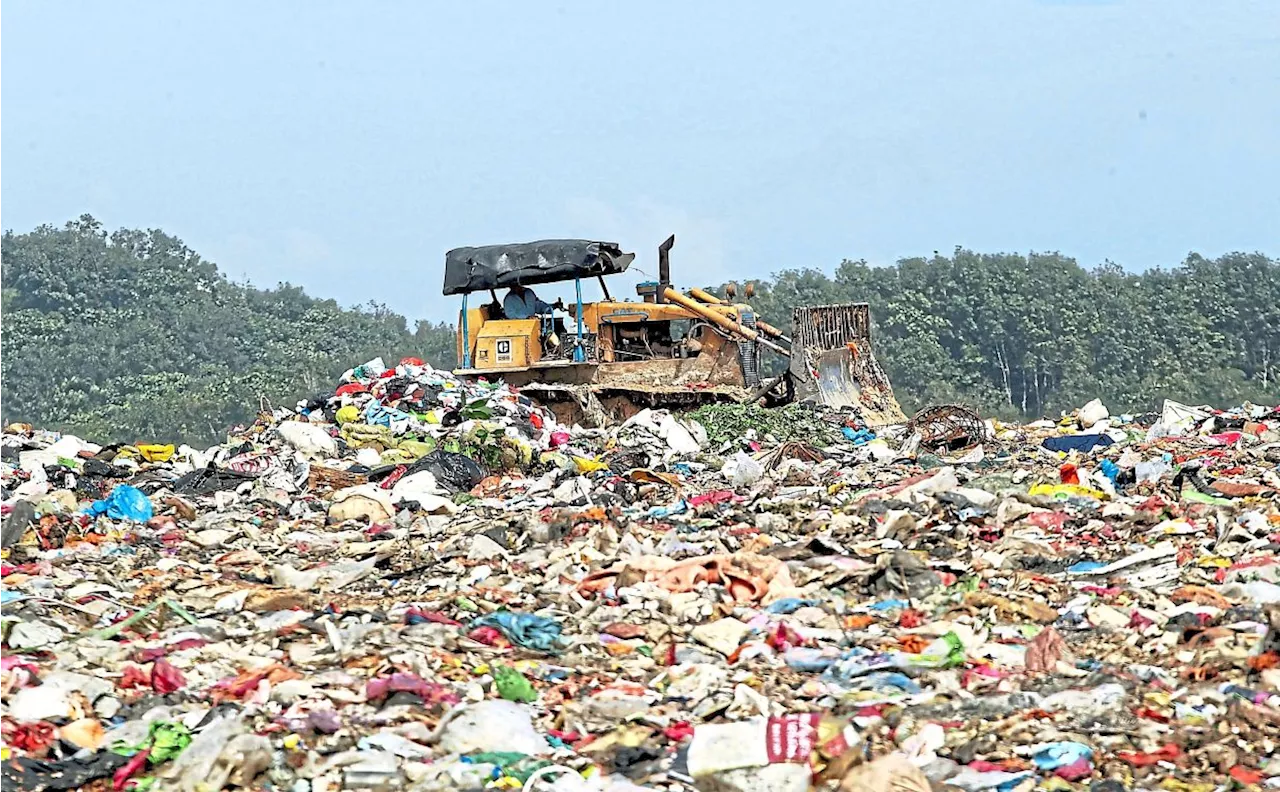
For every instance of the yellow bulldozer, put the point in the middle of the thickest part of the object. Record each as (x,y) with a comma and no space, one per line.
(606,359)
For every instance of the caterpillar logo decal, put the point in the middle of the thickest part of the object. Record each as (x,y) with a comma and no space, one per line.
(504,350)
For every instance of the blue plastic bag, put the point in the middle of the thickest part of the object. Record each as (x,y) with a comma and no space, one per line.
(1110,470)
(789,605)
(679,507)
(858,436)
(807,658)
(889,604)
(886,682)
(124,503)
(1060,754)
(1085,566)
(1081,443)
(525,630)
(378,415)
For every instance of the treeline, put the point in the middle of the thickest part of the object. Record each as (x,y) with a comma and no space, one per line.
(132,336)
(1036,334)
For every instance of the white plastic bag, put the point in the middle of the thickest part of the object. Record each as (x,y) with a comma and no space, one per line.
(493,725)
(742,470)
(308,438)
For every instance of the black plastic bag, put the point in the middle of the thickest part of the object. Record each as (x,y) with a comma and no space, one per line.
(209,480)
(455,472)
(35,775)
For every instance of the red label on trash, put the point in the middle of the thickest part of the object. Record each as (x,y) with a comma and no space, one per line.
(792,738)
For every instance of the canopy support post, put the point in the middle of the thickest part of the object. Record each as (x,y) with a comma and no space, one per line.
(579,354)
(466,335)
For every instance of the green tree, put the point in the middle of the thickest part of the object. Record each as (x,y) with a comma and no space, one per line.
(1036,334)
(132,336)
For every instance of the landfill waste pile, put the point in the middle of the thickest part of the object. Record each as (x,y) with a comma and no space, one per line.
(419,583)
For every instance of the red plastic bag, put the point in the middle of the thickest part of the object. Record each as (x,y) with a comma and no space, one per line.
(911,619)
(714,496)
(165,677)
(34,737)
(1139,759)
(130,770)
(156,652)
(489,636)
(1246,775)
(134,677)
(1068,474)
(401,682)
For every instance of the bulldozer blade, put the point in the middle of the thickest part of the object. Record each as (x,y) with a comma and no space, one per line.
(832,361)
(849,377)
(836,384)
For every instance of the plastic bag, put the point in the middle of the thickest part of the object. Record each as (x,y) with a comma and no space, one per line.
(858,437)
(1151,471)
(124,503)
(746,470)
(455,472)
(403,682)
(24,772)
(420,486)
(588,465)
(1092,413)
(155,452)
(165,678)
(790,739)
(513,685)
(208,480)
(241,760)
(308,438)
(492,725)
(525,630)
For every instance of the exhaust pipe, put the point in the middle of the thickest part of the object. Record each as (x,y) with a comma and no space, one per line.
(664,267)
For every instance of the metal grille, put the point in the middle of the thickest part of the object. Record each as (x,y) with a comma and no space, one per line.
(830,326)
(749,352)
(568,342)
(950,426)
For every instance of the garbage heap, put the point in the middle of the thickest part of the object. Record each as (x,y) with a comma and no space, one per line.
(418,583)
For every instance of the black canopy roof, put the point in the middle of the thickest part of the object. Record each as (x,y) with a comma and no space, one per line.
(471,269)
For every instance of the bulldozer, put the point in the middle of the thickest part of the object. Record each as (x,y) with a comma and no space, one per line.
(604,360)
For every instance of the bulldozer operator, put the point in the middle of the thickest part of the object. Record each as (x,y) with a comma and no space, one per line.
(522,303)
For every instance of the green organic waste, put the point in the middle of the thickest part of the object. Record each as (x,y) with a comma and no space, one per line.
(727,422)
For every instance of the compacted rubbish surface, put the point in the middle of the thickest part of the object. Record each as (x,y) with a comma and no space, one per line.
(416,583)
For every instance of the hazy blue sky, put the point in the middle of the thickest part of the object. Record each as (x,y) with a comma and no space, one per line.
(346,146)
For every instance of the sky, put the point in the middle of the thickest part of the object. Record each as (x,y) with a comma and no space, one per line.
(346,146)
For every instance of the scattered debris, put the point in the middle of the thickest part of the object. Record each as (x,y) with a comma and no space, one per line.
(423,583)
(948,427)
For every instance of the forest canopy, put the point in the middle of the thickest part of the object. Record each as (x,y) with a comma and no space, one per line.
(132,335)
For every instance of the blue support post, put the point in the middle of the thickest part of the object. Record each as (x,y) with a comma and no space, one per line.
(579,354)
(466,336)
